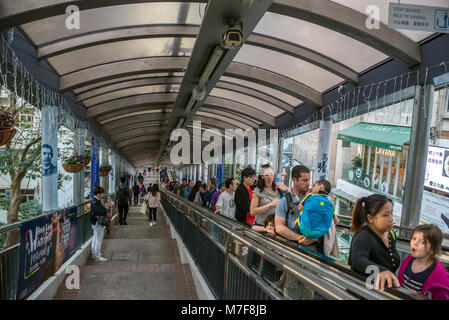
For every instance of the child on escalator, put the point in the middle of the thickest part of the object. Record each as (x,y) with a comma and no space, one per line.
(421,271)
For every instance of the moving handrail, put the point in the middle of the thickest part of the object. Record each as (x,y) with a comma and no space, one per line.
(292,258)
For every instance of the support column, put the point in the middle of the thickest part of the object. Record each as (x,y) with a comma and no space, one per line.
(417,156)
(94,166)
(78,178)
(234,165)
(278,160)
(49,158)
(324,149)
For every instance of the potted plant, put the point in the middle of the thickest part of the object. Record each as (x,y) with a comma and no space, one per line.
(357,162)
(7,130)
(104,170)
(74,164)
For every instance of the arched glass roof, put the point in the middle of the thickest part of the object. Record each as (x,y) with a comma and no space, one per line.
(142,59)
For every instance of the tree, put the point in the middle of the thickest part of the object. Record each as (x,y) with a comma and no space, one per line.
(21,158)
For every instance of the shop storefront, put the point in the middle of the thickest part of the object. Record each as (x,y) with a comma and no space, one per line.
(378,166)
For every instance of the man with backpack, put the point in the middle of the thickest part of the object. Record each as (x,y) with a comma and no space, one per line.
(123,196)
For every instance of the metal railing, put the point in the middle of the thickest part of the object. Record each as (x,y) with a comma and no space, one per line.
(9,257)
(271,269)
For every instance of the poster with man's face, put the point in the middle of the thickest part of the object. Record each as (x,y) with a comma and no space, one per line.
(48,168)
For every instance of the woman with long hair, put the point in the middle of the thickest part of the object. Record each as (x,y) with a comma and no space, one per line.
(153,199)
(266,195)
(373,247)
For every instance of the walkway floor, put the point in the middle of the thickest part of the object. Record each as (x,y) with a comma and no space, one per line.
(143,264)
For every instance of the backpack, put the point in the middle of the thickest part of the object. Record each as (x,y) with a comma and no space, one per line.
(316,218)
(290,204)
(122,196)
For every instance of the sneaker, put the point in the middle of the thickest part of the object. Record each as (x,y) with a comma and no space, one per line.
(101,259)
(125,223)
(151,224)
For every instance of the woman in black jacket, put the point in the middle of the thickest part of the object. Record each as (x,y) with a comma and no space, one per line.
(195,189)
(373,247)
(97,211)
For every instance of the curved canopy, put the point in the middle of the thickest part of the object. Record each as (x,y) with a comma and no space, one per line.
(133,64)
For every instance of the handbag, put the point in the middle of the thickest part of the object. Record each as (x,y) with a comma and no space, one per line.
(103,221)
(143,209)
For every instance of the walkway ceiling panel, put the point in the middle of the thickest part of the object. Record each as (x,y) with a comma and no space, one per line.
(327,42)
(132,113)
(352,24)
(118,51)
(122,69)
(251,101)
(128,102)
(361,5)
(255,94)
(223,122)
(128,84)
(291,67)
(125,79)
(108,17)
(292,101)
(274,80)
(128,127)
(151,131)
(240,108)
(132,120)
(117,94)
(232,115)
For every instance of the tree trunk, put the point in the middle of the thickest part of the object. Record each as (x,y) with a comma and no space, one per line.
(13,237)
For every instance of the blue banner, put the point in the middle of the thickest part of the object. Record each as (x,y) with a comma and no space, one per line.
(94,166)
(46,243)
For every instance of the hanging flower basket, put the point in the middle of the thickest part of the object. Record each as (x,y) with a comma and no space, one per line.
(86,163)
(7,131)
(74,164)
(6,135)
(104,171)
(72,168)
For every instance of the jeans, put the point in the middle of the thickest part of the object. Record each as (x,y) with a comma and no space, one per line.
(97,240)
(122,213)
(152,214)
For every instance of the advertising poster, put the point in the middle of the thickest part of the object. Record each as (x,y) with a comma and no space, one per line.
(45,244)
(435,210)
(437,169)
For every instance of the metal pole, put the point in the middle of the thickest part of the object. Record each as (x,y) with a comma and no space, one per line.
(78,178)
(417,156)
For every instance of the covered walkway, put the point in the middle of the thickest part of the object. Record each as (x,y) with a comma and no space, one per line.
(143,264)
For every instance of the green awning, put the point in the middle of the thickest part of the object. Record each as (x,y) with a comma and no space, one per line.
(377,135)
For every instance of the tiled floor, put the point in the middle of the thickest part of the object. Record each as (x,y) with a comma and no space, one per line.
(143,264)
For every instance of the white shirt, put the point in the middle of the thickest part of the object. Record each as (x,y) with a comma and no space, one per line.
(153,202)
(227,205)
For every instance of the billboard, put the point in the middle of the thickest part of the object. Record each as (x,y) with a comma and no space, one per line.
(46,243)
(437,169)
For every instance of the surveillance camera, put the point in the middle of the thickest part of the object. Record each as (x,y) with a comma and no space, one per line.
(233,37)
(199,93)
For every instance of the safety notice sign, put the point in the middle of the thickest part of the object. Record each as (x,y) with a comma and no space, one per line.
(415,17)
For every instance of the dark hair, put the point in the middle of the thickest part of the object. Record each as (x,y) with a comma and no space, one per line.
(228,182)
(269,218)
(433,235)
(48,147)
(122,179)
(326,184)
(248,172)
(297,171)
(261,182)
(154,190)
(367,205)
(204,186)
(98,190)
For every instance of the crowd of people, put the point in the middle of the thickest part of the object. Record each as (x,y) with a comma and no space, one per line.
(304,216)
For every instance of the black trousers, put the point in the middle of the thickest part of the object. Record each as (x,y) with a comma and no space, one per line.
(122,213)
(136,198)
